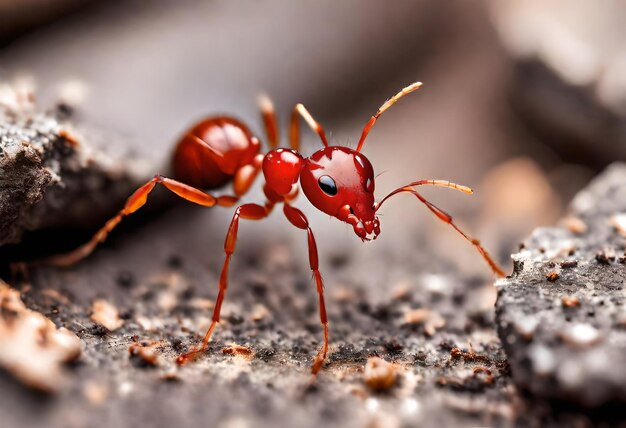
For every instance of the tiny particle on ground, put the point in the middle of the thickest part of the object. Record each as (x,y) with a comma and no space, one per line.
(379,375)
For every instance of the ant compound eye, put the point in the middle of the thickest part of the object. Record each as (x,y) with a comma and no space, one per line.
(327,184)
(369,185)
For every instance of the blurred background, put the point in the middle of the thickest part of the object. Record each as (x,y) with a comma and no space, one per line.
(523,101)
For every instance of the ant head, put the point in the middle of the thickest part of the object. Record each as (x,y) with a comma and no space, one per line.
(340,182)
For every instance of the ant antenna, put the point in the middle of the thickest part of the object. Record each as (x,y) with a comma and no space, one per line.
(370,123)
(444,216)
(313,124)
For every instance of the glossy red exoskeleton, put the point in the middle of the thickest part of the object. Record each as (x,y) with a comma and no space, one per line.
(336,180)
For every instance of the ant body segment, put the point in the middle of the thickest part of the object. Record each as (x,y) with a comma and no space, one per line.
(337,180)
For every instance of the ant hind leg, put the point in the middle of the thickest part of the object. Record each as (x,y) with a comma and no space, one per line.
(137,200)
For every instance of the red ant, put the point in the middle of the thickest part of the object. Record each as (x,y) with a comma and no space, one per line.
(336,180)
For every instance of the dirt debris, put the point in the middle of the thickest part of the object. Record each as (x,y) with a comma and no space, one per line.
(145,352)
(430,319)
(570,301)
(552,276)
(239,351)
(380,375)
(32,348)
(106,314)
(574,225)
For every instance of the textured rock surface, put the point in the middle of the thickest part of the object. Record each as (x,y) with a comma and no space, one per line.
(561,315)
(50,176)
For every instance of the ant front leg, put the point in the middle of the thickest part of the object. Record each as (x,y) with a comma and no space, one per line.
(298,219)
(248,212)
(133,203)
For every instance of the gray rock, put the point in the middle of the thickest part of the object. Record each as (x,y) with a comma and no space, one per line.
(51,177)
(561,315)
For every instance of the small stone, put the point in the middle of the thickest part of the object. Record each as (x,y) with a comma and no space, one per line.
(344,294)
(431,320)
(106,314)
(145,352)
(259,312)
(239,351)
(31,347)
(570,301)
(604,258)
(95,393)
(201,303)
(618,221)
(167,300)
(379,374)
(574,225)
(552,276)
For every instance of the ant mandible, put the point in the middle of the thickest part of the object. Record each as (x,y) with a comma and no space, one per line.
(337,180)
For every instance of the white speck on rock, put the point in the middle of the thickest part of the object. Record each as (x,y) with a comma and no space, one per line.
(526,326)
(581,335)
(542,359)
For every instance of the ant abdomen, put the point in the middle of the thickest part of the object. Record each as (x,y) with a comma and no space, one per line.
(209,154)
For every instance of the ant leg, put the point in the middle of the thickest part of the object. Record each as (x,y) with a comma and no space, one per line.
(269,120)
(447,218)
(248,212)
(294,130)
(245,176)
(133,203)
(299,220)
(441,183)
(294,127)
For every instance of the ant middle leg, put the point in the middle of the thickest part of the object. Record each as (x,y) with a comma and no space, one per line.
(299,220)
(248,212)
